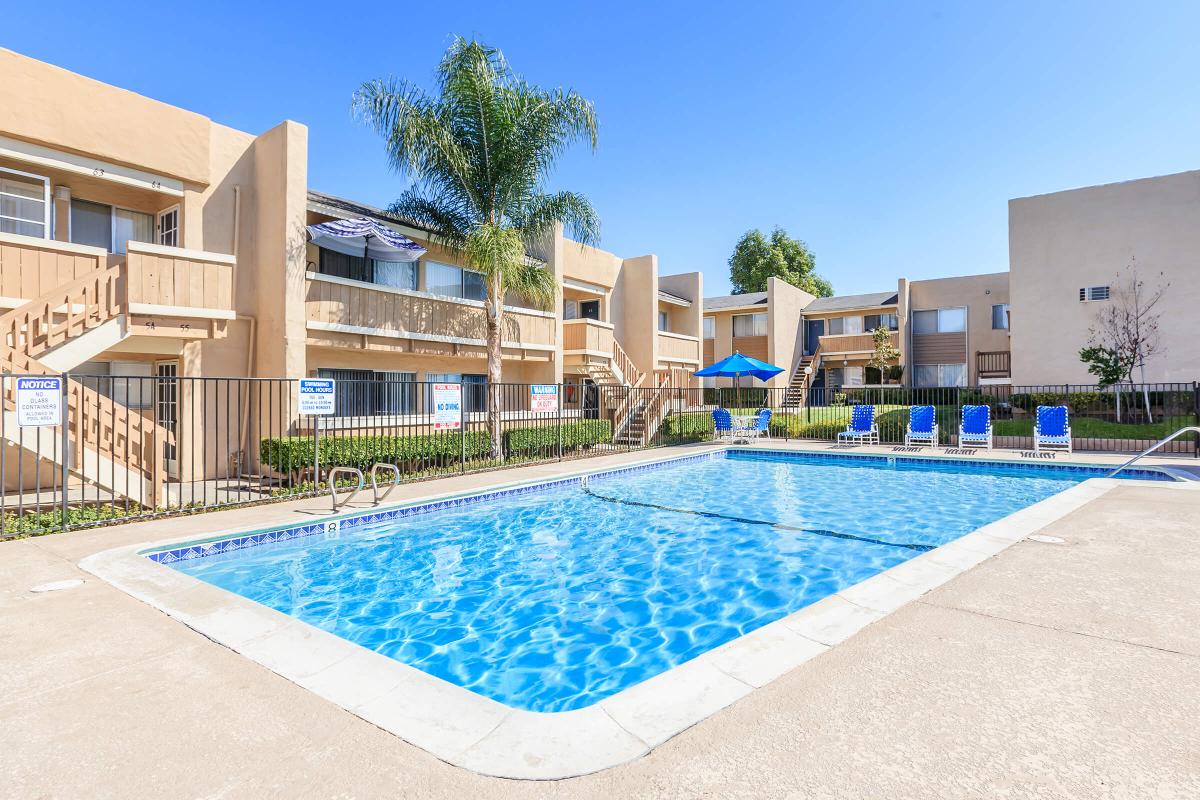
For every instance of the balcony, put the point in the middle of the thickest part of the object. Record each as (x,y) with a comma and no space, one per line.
(163,291)
(853,343)
(399,319)
(678,349)
(587,337)
(994,364)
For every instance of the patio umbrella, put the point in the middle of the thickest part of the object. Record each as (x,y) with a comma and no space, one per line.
(364,237)
(737,365)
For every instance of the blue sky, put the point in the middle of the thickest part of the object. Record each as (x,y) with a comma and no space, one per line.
(889,136)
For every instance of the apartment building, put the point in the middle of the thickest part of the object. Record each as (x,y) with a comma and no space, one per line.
(142,240)
(1070,253)
(948,331)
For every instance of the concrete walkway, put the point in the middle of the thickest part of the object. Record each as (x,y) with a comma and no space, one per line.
(1051,670)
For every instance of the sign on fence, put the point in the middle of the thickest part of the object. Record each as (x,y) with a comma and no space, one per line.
(447,406)
(39,401)
(317,396)
(543,398)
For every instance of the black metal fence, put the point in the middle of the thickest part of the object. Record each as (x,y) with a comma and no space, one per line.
(135,446)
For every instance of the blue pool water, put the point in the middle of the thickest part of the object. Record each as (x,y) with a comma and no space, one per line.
(555,599)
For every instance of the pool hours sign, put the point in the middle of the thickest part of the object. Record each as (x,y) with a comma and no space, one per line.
(39,401)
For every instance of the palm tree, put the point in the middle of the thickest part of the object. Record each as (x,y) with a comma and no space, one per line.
(479,154)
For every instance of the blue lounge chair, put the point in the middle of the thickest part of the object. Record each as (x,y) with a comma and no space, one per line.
(975,430)
(922,426)
(1051,430)
(861,429)
(722,423)
(762,424)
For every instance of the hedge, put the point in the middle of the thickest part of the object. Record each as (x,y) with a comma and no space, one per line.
(290,453)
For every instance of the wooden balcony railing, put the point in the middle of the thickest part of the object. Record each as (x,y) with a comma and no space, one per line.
(588,335)
(993,364)
(342,305)
(676,347)
(852,342)
(175,281)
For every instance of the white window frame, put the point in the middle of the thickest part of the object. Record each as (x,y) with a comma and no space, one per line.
(160,230)
(710,327)
(939,312)
(46,201)
(754,317)
(1003,314)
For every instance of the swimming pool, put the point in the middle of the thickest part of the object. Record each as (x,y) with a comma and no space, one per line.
(556,596)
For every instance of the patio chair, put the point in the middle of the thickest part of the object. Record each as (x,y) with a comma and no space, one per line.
(762,424)
(1051,429)
(922,426)
(975,429)
(722,423)
(862,429)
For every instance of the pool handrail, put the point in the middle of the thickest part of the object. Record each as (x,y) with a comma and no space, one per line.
(375,479)
(1155,446)
(333,473)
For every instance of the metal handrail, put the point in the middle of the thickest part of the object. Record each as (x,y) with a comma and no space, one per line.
(1149,450)
(375,479)
(333,473)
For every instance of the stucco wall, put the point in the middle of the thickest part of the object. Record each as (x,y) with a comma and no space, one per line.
(786,305)
(1061,242)
(46,104)
(976,293)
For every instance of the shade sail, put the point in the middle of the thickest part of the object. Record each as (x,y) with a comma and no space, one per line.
(364,237)
(737,365)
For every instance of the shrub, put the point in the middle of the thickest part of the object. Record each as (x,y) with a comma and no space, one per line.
(583,433)
(291,453)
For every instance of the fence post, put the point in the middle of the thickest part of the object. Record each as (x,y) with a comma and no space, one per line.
(64,425)
(558,414)
(462,427)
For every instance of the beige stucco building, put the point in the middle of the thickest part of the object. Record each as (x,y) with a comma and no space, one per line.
(142,241)
(1070,254)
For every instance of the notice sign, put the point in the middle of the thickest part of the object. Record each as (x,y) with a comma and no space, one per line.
(317,396)
(447,406)
(39,402)
(543,398)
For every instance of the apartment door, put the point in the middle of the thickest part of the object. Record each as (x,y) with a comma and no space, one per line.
(168,227)
(814,329)
(590,309)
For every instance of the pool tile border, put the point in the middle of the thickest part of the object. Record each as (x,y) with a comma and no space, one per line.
(480,734)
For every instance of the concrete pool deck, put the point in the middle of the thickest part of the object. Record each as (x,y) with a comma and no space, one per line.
(1048,670)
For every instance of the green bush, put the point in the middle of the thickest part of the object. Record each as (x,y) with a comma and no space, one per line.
(584,433)
(290,453)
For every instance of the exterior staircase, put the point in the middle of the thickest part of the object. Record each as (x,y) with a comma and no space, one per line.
(797,388)
(108,445)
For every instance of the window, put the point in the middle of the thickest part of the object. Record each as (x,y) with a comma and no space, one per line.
(873,322)
(398,274)
(845,325)
(24,204)
(168,227)
(128,383)
(451,281)
(1000,317)
(590,309)
(940,320)
(570,309)
(1092,293)
(837,377)
(664,322)
(365,393)
(102,225)
(933,375)
(750,324)
(710,327)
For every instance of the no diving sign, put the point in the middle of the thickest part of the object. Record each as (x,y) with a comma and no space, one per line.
(39,401)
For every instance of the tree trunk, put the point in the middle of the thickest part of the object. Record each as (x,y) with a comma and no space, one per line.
(1146,396)
(495,319)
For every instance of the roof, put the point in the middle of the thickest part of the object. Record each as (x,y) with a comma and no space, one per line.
(673,298)
(848,301)
(361,209)
(735,301)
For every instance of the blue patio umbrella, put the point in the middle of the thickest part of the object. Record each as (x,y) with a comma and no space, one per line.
(737,365)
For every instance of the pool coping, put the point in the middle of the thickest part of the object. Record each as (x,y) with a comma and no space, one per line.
(474,732)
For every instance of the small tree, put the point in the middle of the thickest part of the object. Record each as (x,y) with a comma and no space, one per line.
(885,352)
(757,258)
(1106,365)
(1125,335)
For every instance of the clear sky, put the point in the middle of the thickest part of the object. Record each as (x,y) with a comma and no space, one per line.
(889,136)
